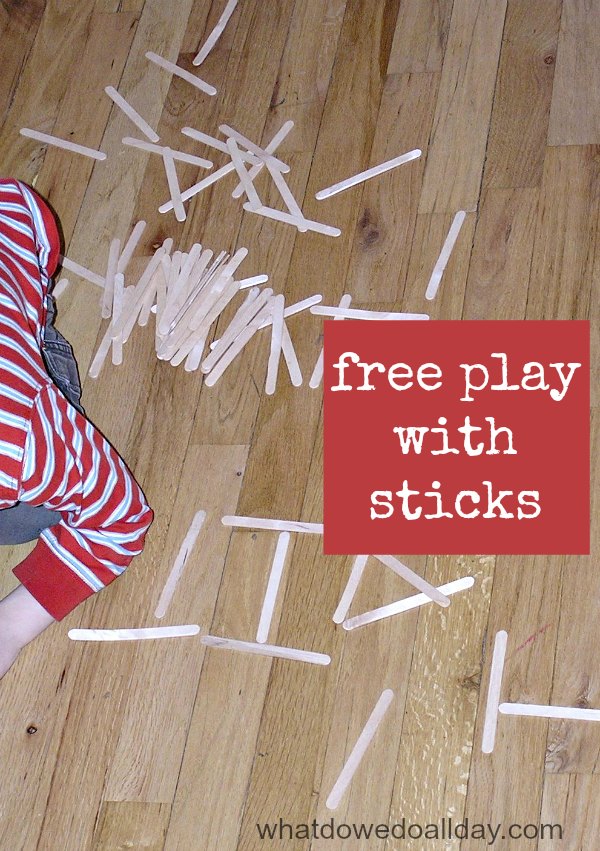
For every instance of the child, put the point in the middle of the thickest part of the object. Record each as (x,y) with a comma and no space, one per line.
(60,480)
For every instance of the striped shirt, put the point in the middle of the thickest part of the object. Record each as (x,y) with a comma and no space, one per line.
(50,454)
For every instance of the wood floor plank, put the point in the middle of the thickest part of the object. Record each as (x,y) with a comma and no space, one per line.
(420,37)
(131,824)
(18,27)
(569,802)
(457,147)
(574,112)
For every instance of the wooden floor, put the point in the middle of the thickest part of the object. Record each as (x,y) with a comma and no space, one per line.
(152,745)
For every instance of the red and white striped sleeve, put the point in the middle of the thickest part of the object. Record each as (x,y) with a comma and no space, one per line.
(70,467)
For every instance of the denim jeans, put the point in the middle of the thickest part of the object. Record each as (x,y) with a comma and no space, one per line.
(23,522)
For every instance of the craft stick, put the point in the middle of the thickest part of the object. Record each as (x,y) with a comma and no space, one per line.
(118,304)
(131,113)
(218,144)
(277,525)
(297,307)
(133,634)
(182,556)
(141,285)
(494,689)
(178,289)
(285,192)
(210,294)
(102,352)
(253,281)
(291,359)
(179,72)
(197,281)
(406,604)
(84,273)
(148,299)
(132,308)
(60,287)
(366,175)
(235,261)
(268,607)
(62,143)
(350,589)
(130,246)
(240,168)
(251,295)
(160,149)
(355,313)
(173,182)
(317,376)
(358,751)
(192,362)
(270,148)
(564,712)
(304,224)
(199,334)
(442,261)
(276,338)
(262,153)
(109,281)
(244,315)
(414,579)
(215,33)
(199,187)
(266,650)
(241,340)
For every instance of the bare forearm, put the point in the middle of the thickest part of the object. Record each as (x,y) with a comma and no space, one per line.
(22,619)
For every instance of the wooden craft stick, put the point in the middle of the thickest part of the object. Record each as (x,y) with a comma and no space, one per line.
(197,281)
(359,749)
(277,304)
(148,298)
(277,525)
(178,291)
(173,182)
(215,33)
(218,144)
(238,344)
(209,295)
(253,281)
(414,579)
(60,287)
(304,224)
(494,689)
(118,304)
(406,604)
(297,307)
(350,589)
(141,285)
(62,143)
(317,376)
(366,175)
(160,149)
(130,112)
(199,334)
(179,72)
(251,295)
(262,153)
(442,261)
(564,712)
(101,353)
(291,359)
(266,650)
(84,273)
(133,634)
(286,194)
(244,315)
(354,313)
(192,362)
(268,607)
(199,187)
(109,281)
(240,168)
(130,246)
(270,148)
(182,556)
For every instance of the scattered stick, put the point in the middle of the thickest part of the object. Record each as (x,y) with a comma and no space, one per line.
(351,587)
(291,359)
(317,376)
(60,287)
(109,281)
(173,182)
(358,751)
(118,305)
(354,313)
(564,712)
(253,281)
(130,112)
(414,579)
(241,340)
(218,144)
(366,175)
(84,273)
(268,606)
(216,33)
(494,689)
(180,562)
(200,186)
(160,149)
(438,270)
(262,153)
(251,193)
(269,149)
(62,143)
(130,246)
(133,634)
(179,72)
(277,525)
(302,224)
(266,650)
(276,341)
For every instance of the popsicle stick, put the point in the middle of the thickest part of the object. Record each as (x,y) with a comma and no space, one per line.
(286,194)
(253,281)
(62,143)
(130,246)
(131,113)
(192,362)
(101,353)
(118,304)
(266,650)
(302,224)
(442,261)
(160,149)
(218,144)
(367,175)
(84,273)
(317,376)
(244,315)
(109,281)
(266,523)
(182,556)
(268,607)
(133,634)
(60,287)
(251,296)
(406,604)
(277,304)
(262,153)
(291,359)
(494,689)
(270,148)
(200,186)
(179,72)
(564,712)
(141,285)
(199,334)
(148,299)
(355,313)
(356,573)
(173,182)
(297,307)
(215,33)
(241,340)
(414,579)
(240,168)
(178,290)
(359,749)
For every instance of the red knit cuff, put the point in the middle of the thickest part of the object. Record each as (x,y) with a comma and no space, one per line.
(53,585)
